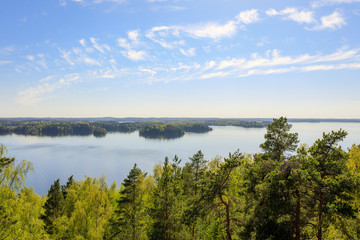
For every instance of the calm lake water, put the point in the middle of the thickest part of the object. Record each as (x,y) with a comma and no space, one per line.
(115,154)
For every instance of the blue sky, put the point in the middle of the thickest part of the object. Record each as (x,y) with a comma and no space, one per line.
(180,58)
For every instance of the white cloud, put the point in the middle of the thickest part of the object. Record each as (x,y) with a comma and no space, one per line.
(100,48)
(133,36)
(90,61)
(189,53)
(161,35)
(35,62)
(33,95)
(293,14)
(82,42)
(247,17)
(212,30)
(168,36)
(213,75)
(66,55)
(41,60)
(322,3)
(122,42)
(146,70)
(30,57)
(333,21)
(130,46)
(135,55)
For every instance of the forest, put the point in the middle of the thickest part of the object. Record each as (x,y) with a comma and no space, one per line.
(163,129)
(286,191)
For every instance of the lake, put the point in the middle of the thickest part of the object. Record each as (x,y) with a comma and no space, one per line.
(115,154)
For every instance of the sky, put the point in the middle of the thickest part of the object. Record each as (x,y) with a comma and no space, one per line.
(180,58)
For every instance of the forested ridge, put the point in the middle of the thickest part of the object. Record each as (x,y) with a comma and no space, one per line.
(285,192)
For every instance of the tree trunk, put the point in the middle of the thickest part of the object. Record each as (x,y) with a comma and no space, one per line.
(297,215)
(320,217)
(228,222)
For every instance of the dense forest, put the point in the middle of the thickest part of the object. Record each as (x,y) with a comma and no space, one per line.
(149,129)
(285,192)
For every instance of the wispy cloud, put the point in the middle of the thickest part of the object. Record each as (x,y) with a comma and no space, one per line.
(271,63)
(130,44)
(293,14)
(212,30)
(164,36)
(217,31)
(66,55)
(322,3)
(33,95)
(171,37)
(247,17)
(333,21)
(100,47)
(34,62)
(135,55)
(78,56)
(189,53)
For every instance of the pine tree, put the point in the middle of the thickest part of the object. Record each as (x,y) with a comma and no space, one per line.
(54,206)
(279,140)
(332,187)
(167,209)
(129,206)
(193,174)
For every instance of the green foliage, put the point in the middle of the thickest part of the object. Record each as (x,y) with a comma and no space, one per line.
(279,140)
(91,210)
(13,175)
(20,208)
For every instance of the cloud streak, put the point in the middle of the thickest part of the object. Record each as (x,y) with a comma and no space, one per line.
(272,63)
(293,14)
(130,45)
(332,22)
(170,37)
(34,95)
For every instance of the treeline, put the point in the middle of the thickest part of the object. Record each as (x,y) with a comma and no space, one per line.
(54,129)
(285,192)
(153,129)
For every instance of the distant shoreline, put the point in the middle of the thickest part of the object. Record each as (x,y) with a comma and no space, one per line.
(155,119)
